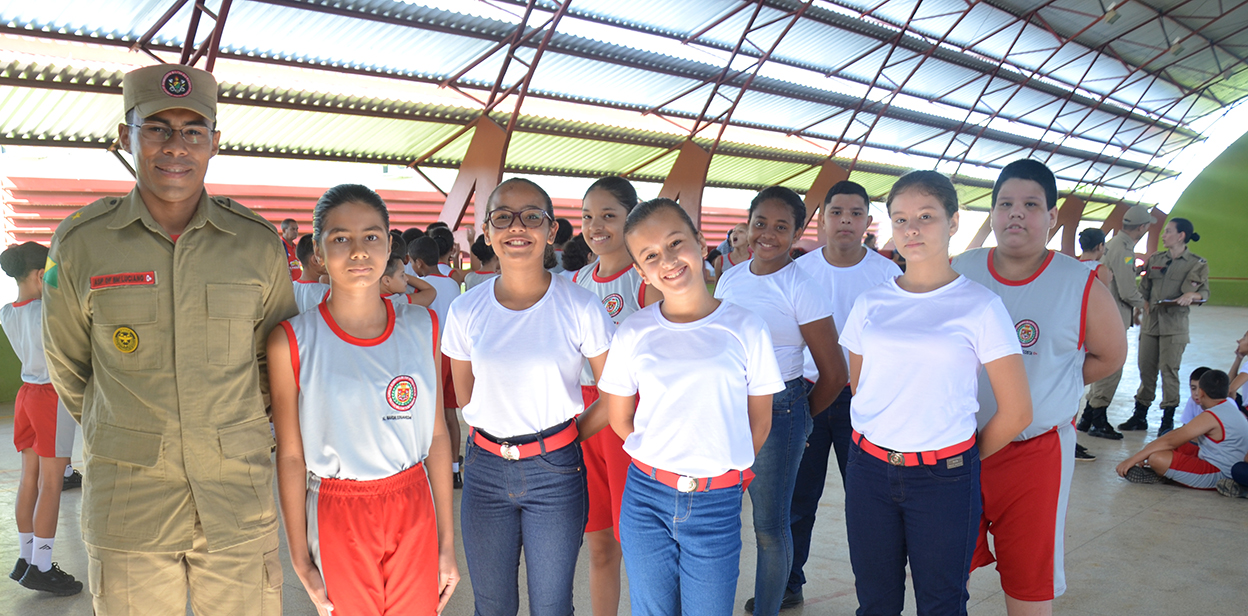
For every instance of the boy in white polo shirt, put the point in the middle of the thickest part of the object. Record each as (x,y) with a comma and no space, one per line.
(1070,335)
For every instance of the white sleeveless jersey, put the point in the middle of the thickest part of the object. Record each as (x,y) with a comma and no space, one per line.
(621,295)
(366,407)
(23,324)
(1049,312)
(1234,444)
(309,294)
(727,263)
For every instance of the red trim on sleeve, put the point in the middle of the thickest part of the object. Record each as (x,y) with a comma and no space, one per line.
(614,276)
(1083,310)
(1220,425)
(20,304)
(641,294)
(434,316)
(294,350)
(577,273)
(348,338)
(1017,283)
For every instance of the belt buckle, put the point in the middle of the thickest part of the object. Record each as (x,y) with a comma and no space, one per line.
(896,458)
(686,484)
(509,452)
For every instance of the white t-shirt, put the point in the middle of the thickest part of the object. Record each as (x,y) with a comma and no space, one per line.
(309,294)
(843,285)
(527,363)
(1190,411)
(448,291)
(1243,389)
(23,325)
(474,278)
(921,357)
(693,381)
(785,299)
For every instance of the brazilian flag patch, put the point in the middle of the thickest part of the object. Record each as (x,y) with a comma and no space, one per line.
(50,273)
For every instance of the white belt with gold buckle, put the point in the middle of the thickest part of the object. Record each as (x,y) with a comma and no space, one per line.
(509,452)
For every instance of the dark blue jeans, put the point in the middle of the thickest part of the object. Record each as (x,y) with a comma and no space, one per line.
(928,515)
(771,494)
(1239,473)
(537,503)
(682,551)
(832,431)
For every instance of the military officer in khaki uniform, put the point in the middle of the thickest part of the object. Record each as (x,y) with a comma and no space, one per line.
(1119,257)
(1172,280)
(157,306)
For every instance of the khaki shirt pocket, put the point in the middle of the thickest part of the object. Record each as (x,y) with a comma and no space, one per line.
(247,471)
(233,311)
(124,328)
(126,475)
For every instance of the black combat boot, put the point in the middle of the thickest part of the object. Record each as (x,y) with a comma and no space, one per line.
(1101,427)
(1167,420)
(1085,422)
(1138,421)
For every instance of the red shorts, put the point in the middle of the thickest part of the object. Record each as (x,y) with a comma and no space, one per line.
(1187,468)
(606,469)
(376,543)
(448,385)
(35,420)
(1026,487)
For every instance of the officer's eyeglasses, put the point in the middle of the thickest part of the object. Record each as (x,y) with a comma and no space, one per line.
(531,218)
(159,133)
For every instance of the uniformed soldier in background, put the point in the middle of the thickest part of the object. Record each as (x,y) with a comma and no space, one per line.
(1173,279)
(1119,257)
(157,306)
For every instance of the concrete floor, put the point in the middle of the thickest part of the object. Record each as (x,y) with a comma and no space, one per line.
(1130,549)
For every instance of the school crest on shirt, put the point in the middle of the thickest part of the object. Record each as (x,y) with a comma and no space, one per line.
(401,393)
(1028,332)
(614,303)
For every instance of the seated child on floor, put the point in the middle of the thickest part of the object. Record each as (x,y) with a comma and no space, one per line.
(1192,408)
(1202,451)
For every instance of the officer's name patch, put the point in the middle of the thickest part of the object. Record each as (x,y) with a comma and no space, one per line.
(130,279)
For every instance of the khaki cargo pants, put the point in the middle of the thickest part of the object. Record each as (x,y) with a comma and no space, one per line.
(244,580)
(1164,354)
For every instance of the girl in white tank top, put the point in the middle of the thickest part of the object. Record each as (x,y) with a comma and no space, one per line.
(740,250)
(361,447)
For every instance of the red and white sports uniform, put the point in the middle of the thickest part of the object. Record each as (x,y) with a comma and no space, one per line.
(1049,311)
(308,294)
(448,291)
(727,263)
(366,412)
(606,464)
(474,278)
(1202,464)
(296,268)
(40,420)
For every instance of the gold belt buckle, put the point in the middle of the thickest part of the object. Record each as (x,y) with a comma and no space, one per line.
(686,484)
(896,458)
(509,452)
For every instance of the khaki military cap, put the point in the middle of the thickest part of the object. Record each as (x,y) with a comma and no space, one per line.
(152,89)
(1137,215)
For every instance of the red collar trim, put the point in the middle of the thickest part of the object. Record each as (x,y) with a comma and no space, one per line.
(20,304)
(438,274)
(308,281)
(615,276)
(348,338)
(992,269)
(484,272)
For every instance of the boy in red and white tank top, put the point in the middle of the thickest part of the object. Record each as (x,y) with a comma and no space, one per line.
(1070,335)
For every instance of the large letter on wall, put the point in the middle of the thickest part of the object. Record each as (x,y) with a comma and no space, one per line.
(480,173)
(1068,217)
(685,181)
(829,174)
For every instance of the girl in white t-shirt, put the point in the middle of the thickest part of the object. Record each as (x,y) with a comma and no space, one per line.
(622,291)
(704,372)
(363,457)
(517,343)
(916,345)
(799,315)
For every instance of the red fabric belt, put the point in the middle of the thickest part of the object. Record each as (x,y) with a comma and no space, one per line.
(683,483)
(919,458)
(507,451)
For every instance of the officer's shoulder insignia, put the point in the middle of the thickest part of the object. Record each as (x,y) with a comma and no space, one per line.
(91,211)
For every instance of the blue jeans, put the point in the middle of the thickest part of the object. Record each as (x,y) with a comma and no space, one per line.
(771,493)
(681,551)
(1239,473)
(832,431)
(928,515)
(539,503)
